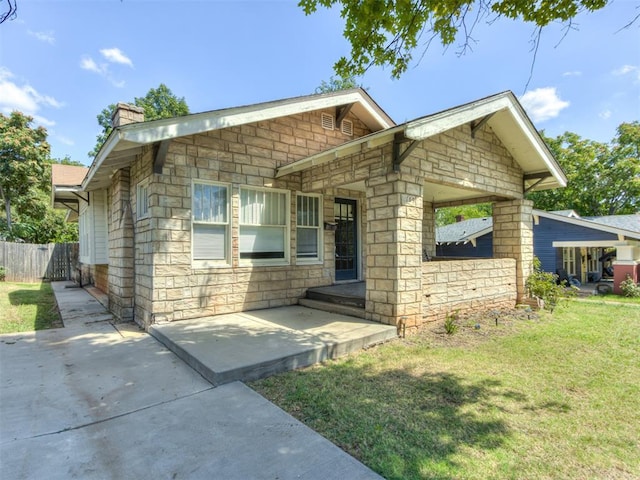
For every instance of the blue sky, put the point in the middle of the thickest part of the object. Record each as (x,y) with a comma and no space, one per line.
(64,61)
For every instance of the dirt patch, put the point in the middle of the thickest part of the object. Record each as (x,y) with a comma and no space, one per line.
(476,327)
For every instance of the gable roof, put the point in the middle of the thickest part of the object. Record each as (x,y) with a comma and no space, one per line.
(627,226)
(67,175)
(502,112)
(66,183)
(464,231)
(125,142)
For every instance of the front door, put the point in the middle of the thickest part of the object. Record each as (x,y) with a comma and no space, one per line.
(346,219)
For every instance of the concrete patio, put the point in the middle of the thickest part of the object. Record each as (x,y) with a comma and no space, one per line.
(251,345)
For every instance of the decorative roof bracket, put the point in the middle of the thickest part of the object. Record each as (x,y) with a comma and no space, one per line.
(476,125)
(398,157)
(161,156)
(341,113)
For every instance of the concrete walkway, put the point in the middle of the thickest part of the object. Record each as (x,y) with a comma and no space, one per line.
(95,400)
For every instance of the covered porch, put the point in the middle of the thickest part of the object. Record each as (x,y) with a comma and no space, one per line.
(487,151)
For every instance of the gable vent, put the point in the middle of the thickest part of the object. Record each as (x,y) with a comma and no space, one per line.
(347,127)
(327,121)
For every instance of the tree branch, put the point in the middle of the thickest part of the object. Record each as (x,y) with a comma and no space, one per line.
(11,13)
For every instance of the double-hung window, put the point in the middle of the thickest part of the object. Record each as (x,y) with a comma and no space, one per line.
(210,222)
(308,228)
(264,225)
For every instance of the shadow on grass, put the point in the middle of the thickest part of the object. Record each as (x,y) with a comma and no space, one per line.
(403,426)
(46,313)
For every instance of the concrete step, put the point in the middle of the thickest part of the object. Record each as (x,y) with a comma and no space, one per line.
(251,345)
(332,307)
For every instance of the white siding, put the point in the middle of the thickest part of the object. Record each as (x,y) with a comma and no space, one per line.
(92,225)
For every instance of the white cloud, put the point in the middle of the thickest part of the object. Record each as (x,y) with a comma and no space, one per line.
(47,37)
(111,55)
(543,103)
(574,73)
(24,98)
(605,114)
(65,140)
(115,55)
(626,70)
(88,63)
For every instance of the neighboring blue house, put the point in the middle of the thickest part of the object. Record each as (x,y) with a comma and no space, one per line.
(584,247)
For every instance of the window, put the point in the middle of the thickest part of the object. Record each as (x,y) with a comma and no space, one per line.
(210,222)
(264,223)
(308,223)
(142,200)
(569,260)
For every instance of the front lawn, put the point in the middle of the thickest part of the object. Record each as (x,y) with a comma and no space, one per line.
(548,397)
(27,306)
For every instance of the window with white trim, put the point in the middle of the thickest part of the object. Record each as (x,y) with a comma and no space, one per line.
(210,223)
(569,260)
(142,200)
(308,227)
(264,225)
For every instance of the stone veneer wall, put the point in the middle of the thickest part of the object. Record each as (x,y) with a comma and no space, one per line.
(96,275)
(168,287)
(467,285)
(121,269)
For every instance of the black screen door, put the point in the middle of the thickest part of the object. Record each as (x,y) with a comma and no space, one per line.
(345,214)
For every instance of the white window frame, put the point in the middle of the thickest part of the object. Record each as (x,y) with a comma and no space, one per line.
(569,260)
(142,200)
(285,227)
(211,262)
(319,227)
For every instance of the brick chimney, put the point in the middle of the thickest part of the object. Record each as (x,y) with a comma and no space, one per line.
(125,114)
(459,218)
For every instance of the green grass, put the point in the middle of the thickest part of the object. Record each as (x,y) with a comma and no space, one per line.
(557,397)
(27,306)
(612,298)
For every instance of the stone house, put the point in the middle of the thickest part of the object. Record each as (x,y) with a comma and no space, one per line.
(249,207)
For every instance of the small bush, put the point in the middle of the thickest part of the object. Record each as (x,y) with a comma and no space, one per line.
(450,325)
(3,274)
(630,288)
(545,286)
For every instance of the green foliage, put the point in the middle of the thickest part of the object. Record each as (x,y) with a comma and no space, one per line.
(23,151)
(450,323)
(603,179)
(157,103)
(3,274)
(545,286)
(447,215)
(335,84)
(386,32)
(630,288)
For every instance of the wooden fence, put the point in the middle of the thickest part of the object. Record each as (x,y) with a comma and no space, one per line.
(25,262)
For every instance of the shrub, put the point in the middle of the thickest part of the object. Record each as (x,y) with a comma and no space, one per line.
(450,325)
(630,288)
(545,286)
(3,274)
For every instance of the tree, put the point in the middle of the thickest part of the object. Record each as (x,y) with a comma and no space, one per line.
(336,84)
(157,103)
(386,32)
(602,179)
(447,215)
(23,152)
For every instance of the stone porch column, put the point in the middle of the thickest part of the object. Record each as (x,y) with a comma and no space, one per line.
(428,229)
(121,260)
(394,249)
(513,238)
